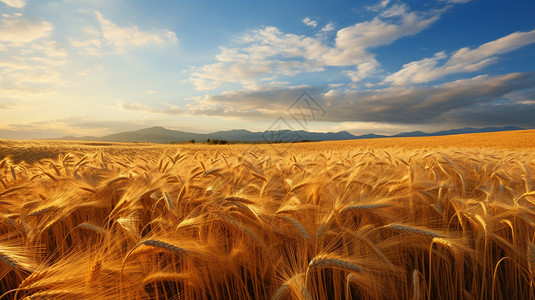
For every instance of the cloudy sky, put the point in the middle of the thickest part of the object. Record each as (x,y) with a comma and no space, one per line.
(79,67)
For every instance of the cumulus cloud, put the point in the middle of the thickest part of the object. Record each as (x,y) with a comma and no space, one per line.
(307,21)
(253,102)
(212,76)
(233,69)
(364,70)
(432,104)
(36,63)
(31,63)
(451,102)
(16,29)
(269,52)
(31,71)
(14,3)
(49,48)
(170,109)
(464,60)
(123,37)
(120,38)
(89,46)
(499,114)
(328,27)
(264,100)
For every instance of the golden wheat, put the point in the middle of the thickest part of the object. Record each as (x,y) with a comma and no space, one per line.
(329,220)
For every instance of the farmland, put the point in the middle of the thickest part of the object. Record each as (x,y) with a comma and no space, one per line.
(448,217)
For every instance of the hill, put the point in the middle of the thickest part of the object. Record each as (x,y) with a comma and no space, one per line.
(164,135)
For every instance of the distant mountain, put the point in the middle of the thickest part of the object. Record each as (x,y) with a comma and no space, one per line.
(152,135)
(164,135)
(458,131)
(371,136)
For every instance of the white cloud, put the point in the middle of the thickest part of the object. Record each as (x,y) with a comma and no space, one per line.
(328,27)
(364,70)
(269,52)
(112,38)
(307,21)
(211,76)
(396,10)
(33,67)
(50,49)
(463,60)
(379,6)
(92,70)
(353,42)
(335,85)
(14,3)
(89,47)
(18,30)
(31,64)
(124,37)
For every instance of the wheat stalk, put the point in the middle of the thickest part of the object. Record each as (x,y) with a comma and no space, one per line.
(53,294)
(416,292)
(165,276)
(531,258)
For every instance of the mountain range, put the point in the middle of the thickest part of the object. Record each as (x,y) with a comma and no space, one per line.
(164,135)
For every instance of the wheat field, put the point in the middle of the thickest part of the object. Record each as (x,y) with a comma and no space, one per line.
(412,218)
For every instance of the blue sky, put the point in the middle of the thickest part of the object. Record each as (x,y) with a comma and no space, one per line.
(77,67)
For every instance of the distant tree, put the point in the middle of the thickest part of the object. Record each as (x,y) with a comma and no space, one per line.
(192,141)
(217,142)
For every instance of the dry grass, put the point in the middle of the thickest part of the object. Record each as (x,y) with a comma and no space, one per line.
(330,220)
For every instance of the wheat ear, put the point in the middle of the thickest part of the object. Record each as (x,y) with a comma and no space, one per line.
(413,230)
(321,262)
(299,227)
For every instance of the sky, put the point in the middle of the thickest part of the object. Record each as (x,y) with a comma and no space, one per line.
(79,67)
